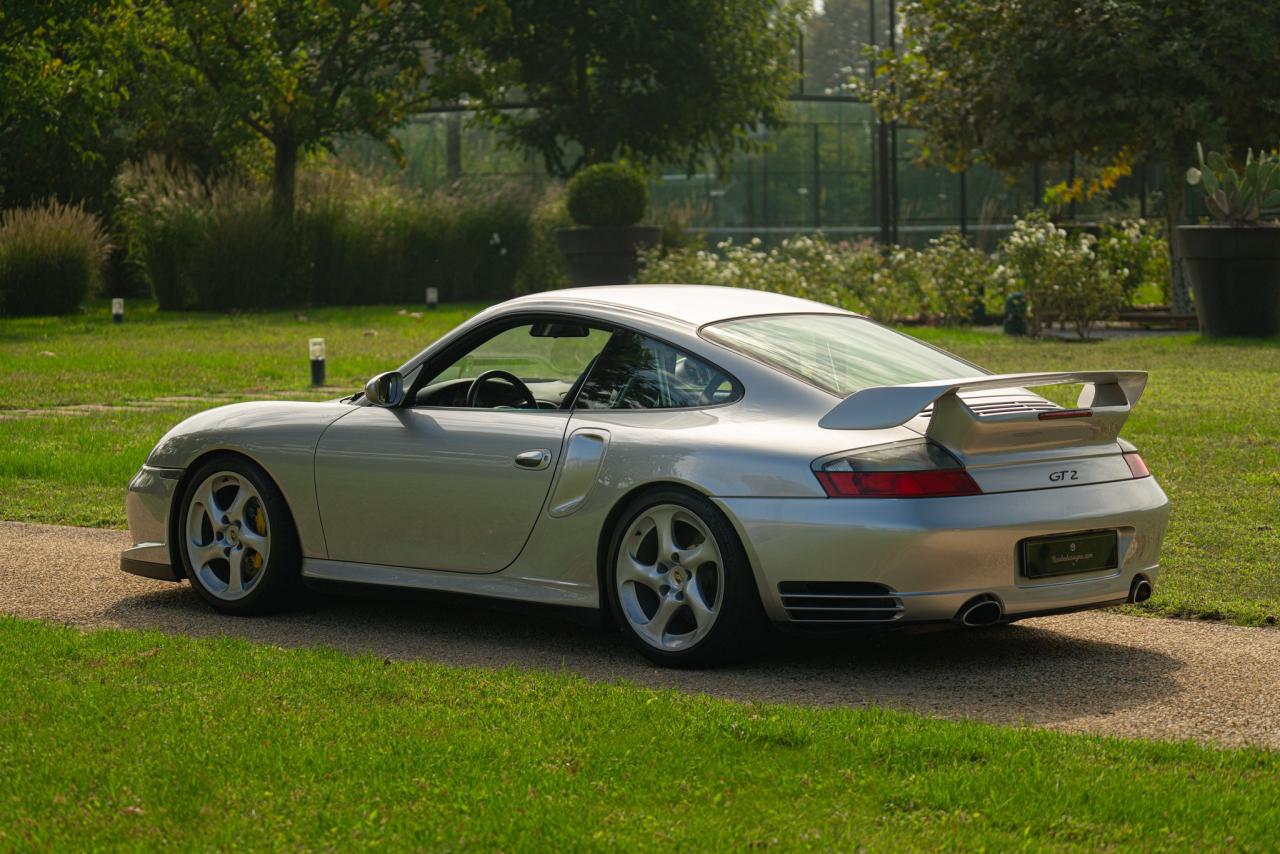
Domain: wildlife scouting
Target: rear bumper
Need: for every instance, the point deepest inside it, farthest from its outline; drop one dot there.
(934, 555)
(147, 506)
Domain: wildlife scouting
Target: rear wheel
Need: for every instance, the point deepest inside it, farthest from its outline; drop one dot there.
(679, 583)
(239, 545)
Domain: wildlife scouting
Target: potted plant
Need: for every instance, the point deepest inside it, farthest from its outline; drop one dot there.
(1234, 262)
(606, 202)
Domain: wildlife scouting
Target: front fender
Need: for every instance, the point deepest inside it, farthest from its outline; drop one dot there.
(280, 436)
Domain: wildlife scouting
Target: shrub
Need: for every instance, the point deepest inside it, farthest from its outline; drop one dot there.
(544, 267)
(958, 279)
(1060, 275)
(1075, 278)
(856, 276)
(1136, 251)
(368, 243)
(51, 256)
(489, 237)
(608, 194)
(246, 258)
(351, 241)
(676, 219)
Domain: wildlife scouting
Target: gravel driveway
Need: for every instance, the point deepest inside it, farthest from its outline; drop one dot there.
(1093, 672)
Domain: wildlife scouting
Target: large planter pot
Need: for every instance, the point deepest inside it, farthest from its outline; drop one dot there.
(1235, 275)
(604, 256)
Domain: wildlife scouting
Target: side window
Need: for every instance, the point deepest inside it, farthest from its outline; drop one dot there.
(635, 372)
(547, 357)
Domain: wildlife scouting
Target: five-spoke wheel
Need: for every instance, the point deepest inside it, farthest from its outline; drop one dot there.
(228, 538)
(669, 577)
(239, 546)
(679, 583)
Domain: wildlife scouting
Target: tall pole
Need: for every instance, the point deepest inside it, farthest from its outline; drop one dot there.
(883, 210)
(893, 133)
(817, 181)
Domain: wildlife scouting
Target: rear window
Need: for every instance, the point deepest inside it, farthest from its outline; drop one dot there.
(839, 353)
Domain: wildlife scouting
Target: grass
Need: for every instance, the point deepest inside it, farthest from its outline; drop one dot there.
(1207, 424)
(72, 468)
(128, 739)
(86, 359)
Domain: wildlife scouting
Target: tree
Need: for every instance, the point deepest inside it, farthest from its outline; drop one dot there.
(63, 80)
(650, 80)
(297, 73)
(1013, 83)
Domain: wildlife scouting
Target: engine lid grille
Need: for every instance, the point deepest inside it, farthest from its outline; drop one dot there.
(1002, 407)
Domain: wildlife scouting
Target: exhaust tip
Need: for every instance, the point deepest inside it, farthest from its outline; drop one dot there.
(1140, 591)
(981, 610)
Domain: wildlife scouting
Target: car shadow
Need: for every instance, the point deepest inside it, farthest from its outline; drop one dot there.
(1026, 673)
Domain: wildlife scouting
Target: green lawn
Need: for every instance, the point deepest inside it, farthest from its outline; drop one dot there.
(126, 739)
(1209, 424)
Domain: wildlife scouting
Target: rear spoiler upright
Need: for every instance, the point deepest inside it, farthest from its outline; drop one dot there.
(1104, 405)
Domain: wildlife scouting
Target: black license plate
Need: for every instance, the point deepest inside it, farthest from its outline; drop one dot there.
(1070, 553)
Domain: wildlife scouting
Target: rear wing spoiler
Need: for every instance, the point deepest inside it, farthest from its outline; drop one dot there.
(1104, 405)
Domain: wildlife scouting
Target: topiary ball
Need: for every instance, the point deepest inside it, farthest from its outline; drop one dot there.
(608, 194)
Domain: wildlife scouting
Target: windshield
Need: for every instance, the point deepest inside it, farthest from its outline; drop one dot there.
(839, 353)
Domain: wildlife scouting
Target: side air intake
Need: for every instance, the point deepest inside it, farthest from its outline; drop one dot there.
(830, 602)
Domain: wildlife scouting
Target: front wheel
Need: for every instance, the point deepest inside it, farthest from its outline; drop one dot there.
(679, 583)
(239, 545)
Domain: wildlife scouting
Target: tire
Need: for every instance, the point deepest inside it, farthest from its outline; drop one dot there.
(253, 529)
(701, 608)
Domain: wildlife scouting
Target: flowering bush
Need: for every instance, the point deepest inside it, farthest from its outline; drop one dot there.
(959, 279)
(1136, 251)
(1078, 279)
(1059, 274)
(856, 276)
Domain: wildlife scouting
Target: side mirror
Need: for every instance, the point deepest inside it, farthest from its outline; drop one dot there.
(385, 389)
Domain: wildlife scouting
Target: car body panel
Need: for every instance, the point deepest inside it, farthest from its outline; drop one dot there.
(430, 497)
(936, 553)
(280, 436)
(434, 488)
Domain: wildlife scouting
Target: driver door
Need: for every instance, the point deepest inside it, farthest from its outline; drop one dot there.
(437, 484)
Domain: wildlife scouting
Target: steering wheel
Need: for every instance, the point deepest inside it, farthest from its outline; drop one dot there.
(473, 393)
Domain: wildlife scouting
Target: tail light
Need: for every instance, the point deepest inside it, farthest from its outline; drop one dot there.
(916, 469)
(1137, 465)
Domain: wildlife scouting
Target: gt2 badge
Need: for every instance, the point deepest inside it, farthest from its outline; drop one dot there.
(1065, 474)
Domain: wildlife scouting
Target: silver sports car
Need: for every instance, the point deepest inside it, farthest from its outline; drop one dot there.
(689, 464)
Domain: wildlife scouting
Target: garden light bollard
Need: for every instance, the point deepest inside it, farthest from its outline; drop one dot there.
(117, 310)
(1015, 314)
(433, 298)
(317, 361)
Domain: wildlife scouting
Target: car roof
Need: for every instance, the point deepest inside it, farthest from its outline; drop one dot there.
(692, 304)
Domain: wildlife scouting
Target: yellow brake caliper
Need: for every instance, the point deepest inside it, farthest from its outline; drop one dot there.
(259, 525)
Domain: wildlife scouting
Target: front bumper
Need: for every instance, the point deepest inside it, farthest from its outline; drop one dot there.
(147, 506)
(934, 555)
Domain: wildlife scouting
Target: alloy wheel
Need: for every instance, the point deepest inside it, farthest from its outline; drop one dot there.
(670, 577)
(228, 538)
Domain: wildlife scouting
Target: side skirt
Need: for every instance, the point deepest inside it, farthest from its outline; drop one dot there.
(576, 602)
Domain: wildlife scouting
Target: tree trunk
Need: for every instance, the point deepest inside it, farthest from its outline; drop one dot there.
(1175, 212)
(283, 179)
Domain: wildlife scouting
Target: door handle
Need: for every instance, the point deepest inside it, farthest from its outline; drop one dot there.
(533, 460)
